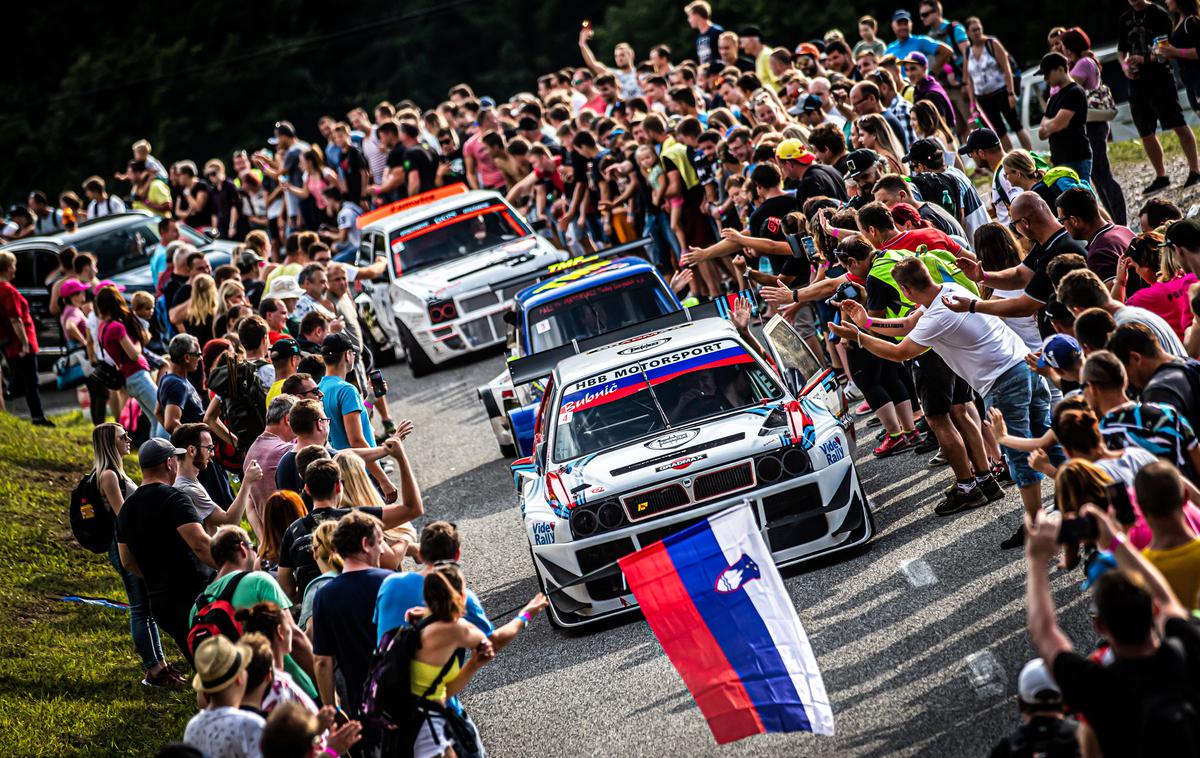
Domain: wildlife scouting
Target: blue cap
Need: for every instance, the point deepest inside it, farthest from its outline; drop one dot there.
(1061, 350)
(901, 15)
(487, 101)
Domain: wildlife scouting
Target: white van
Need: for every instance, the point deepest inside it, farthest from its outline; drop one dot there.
(1033, 99)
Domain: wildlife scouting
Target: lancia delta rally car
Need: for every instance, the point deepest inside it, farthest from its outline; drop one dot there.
(456, 258)
(595, 295)
(642, 438)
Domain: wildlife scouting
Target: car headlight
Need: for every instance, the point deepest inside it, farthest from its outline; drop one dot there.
(442, 310)
(583, 523)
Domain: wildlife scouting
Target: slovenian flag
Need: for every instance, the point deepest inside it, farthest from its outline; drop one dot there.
(717, 604)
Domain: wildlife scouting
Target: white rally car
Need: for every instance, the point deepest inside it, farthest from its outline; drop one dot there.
(456, 258)
(642, 438)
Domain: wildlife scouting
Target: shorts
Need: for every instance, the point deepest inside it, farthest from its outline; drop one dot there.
(938, 387)
(431, 740)
(805, 323)
(675, 202)
(292, 203)
(1155, 101)
(997, 112)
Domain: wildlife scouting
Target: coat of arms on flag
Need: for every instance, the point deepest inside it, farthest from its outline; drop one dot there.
(715, 600)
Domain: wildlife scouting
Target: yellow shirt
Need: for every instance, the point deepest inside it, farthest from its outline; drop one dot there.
(275, 391)
(762, 68)
(1181, 567)
(158, 193)
(284, 269)
(423, 674)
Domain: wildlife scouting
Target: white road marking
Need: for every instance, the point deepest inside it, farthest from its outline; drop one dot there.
(918, 572)
(985, 674)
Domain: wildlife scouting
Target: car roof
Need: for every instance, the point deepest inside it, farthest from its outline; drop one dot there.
(582, 277)
(422, 212)
(667, 340)
(86, 230)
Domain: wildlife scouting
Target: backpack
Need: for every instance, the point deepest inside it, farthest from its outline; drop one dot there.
(215, 615)
(92, 522)
(941, 190)
(940, 263)
(243, 399)
(990, 44)
(387, 699)
(1168, 722)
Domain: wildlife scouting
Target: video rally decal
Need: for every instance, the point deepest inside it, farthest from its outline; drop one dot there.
(627, 380)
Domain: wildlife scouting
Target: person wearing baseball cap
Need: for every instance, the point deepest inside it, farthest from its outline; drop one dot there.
(1183, 237)
(349, 423)
(802, 172)
(222, 727)
(807, 58)
(907, 42)
(1044, 729)
(750, 40)
(285, 359)
(985, 148)
(161, 538)
(925, 87)
(863, 167)
(810, 111)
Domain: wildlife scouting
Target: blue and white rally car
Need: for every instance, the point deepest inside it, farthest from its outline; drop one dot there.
(585, 297)
(642, 438)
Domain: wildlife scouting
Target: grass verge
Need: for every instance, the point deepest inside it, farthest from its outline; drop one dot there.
(70, 680)
(1131, 151)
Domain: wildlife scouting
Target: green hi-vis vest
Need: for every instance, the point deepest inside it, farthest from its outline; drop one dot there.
(941, 267)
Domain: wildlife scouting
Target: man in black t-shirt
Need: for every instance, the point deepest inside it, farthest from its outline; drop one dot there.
(420, 162)
(1153, 94)
(161, 538)
(353, 165)
(1065, 122)
(811, 179)
(1145, 699)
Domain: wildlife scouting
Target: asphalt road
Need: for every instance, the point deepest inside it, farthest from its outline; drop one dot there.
(919, 636)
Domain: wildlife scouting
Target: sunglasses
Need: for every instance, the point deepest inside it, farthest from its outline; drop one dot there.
(314, 392)
(125, 437)
(926, 14)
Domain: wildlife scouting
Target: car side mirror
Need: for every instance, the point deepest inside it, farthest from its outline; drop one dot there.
(510, 317)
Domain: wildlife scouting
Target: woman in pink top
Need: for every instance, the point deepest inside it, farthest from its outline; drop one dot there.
(1167, 294)
(121, 337)
(1077, 47)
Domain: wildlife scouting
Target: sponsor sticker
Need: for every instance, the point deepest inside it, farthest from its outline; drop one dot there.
(543, 533)
(833, 451)
(643, 347)
(541, 327)
(681, 463)
(673, 440)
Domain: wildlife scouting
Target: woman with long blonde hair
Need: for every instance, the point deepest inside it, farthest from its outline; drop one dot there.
(200, 317)
(929, 123)
(358, 491)
(229, 297)
(110, 444)
(330, 564)
(875, 134)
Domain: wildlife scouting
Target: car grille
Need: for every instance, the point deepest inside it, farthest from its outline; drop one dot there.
(723, 481)
(649, 503)
(476, 302)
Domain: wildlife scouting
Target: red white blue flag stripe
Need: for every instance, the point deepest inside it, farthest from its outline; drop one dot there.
(713, 597)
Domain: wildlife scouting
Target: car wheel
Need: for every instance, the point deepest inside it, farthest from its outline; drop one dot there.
(508, 451)
(381, 357)
(418, 362)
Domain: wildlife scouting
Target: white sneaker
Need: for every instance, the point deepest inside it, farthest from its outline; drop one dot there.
(853, 392)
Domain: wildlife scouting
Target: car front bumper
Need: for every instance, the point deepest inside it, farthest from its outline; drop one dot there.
(800, 519)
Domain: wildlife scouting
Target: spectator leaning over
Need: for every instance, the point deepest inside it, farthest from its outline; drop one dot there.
(1079, 212)
(980, 349)
(1153, 96)
(19, 337)
(161, 539)
(322, 480)
(222, 728)
(1157, 375)
(343, 624)
(1081, 290)
(1151, 673)
(1169, 282)
(276, 440)
(122, 337)
(110, 444)
(1125, 423)
(197, 440)
(349, 422)
(894, 189)
(1174, 547)
(237, 564)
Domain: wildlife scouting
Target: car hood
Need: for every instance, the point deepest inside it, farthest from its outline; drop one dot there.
(507, 261)
(653, 460)
(134, 280)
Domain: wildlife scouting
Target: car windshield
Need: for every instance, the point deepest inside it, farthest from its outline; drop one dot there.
(453, 234)
(601, 309)
(673, 389)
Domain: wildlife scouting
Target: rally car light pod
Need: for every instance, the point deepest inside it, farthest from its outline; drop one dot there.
(583, 523)
(769, 469)
(611, 515)
(442, 310)
(796, 462)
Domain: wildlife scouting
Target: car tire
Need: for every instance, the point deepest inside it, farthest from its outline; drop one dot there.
(508, 451)
(418, 362)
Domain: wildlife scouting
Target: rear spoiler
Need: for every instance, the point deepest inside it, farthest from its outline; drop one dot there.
(391, 209)
(539, 365)
(616, 251)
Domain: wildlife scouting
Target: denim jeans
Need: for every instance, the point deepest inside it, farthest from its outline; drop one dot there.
(141, 388)
(1013, 393)
(141, 623)
(658, 228)
(1083, 168)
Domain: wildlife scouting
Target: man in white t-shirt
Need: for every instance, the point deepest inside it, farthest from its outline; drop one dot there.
(981, 349)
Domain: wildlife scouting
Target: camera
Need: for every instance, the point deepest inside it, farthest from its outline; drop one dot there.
(1079, 529)
(845, 291)
(804, 247)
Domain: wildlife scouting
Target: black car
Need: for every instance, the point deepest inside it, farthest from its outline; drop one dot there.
(122, 244)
